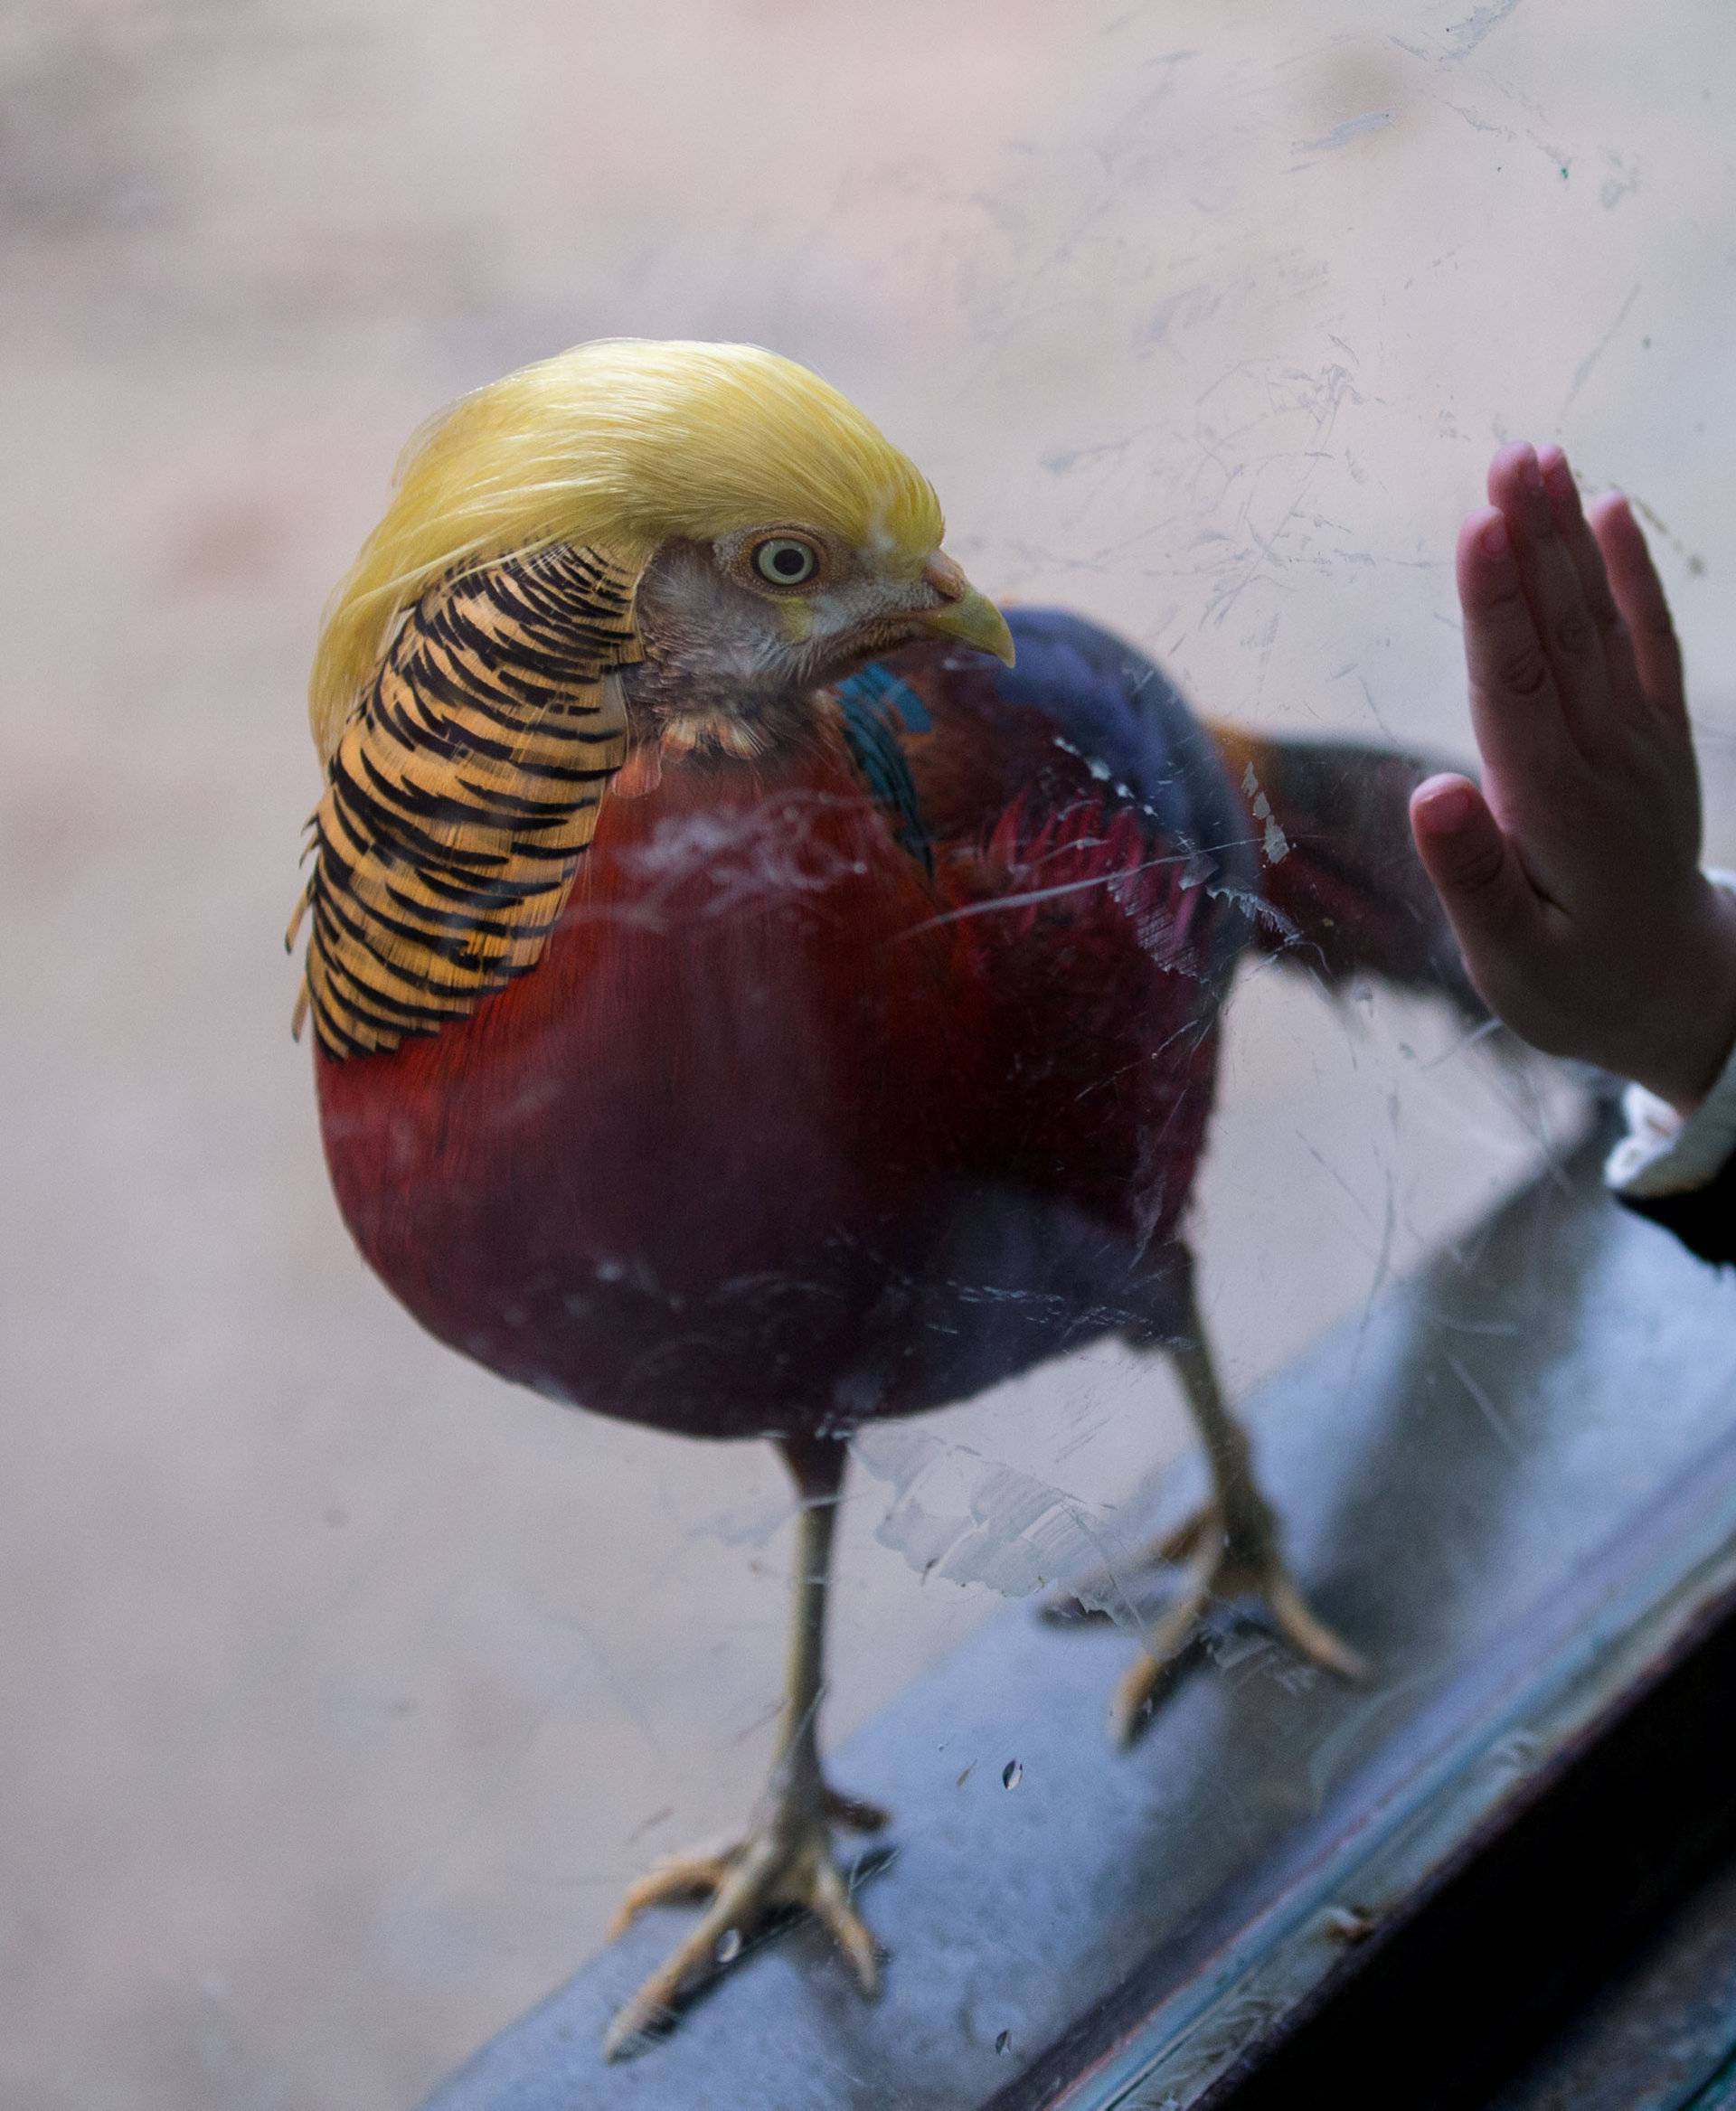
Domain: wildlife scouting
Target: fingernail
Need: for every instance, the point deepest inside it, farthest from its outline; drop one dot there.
(1563, 493)
(1448, 810)
(1531, 474)
(1610, 505)
(1495, 539)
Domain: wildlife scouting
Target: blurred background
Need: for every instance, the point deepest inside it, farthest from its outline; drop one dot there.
(344, 1688)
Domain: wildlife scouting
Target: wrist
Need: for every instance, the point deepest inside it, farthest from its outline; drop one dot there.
(1698, 1018)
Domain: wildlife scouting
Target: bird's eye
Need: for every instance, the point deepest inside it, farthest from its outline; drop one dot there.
(785, 561)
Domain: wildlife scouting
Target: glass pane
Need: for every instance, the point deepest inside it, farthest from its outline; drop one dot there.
(350, 1686)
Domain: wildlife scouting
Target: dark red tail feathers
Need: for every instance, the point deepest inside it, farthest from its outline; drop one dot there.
(1339, 876)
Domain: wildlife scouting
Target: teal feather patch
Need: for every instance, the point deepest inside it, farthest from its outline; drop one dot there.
(869, 700)
(879, 689)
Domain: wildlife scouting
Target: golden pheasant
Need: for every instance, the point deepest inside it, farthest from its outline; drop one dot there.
(747, 1004)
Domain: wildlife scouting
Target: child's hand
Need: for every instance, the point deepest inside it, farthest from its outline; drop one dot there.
(1573, 879)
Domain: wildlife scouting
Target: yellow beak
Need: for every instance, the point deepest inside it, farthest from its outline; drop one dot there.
(965, 616)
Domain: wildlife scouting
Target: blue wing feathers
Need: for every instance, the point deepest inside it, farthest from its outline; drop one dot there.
(1125, 715)
(1107, 705)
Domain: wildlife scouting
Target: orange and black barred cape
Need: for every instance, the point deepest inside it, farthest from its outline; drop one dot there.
(463, 792)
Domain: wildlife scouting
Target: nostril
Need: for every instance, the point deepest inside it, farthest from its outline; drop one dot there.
(945, 577)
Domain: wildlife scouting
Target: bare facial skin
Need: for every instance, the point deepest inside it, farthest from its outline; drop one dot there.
(1573, 877)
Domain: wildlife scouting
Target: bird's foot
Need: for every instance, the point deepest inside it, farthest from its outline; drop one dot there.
(1226, 1563)
(785, 1862)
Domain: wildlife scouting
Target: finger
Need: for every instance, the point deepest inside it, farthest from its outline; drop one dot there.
(1488, 896)
(1581, 546)
(1552, 586)
(1640, 595)
(1515, 707)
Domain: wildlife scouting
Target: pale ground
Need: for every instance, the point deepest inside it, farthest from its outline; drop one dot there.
(344, 1686)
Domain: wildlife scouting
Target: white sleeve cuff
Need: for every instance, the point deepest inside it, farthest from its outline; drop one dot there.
(1665, 1154)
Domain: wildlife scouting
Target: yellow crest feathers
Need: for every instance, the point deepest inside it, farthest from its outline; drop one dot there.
(617, 446)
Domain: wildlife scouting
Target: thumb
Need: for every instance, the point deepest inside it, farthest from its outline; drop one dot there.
(1476, 871)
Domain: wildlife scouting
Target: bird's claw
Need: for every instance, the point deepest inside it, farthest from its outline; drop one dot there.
(1112, 1595)
(787, 1863)
(1223, 1567)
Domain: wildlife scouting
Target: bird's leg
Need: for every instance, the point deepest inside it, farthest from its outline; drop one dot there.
(1231, 1548)
(786, 1858)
